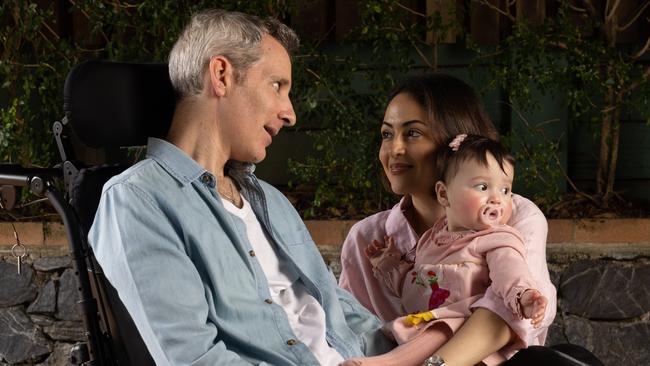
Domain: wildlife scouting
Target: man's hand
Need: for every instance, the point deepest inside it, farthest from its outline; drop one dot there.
(533, 306)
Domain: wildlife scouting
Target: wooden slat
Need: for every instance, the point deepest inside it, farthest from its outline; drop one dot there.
(484, 23)
(313, 18)
(531, 11)
(347, 15)
(447, 10)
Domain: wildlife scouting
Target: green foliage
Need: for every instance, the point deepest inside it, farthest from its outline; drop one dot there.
(573, 56)
(539, 168)
(345, 93)
(339, 93)
(36, 58)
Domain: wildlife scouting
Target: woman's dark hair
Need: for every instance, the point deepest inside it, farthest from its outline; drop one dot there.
(473, 147)
(450, 104)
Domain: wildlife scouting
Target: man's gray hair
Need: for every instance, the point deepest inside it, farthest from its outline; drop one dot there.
(236, 36)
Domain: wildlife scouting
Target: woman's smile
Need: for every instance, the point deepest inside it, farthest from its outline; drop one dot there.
(400, 168)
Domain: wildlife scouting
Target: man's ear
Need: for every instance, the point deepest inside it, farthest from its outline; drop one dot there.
(221, 75)
(441, 193)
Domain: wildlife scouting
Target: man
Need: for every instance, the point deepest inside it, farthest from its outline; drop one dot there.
(215, 266)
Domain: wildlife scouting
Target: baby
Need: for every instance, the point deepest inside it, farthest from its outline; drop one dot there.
(466, 252)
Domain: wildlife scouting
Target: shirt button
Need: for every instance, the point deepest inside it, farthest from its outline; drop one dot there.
(205, 178)
(292, 342)
(251, 253)
(268, 301)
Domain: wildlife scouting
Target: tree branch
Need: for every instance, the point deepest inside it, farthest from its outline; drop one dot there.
(644, 77)
(101, 31)
(612, 12)
(643, 50)
(555, 156)
(410, 10)
(634, 18)
(575, 8)
(51, 30)
(38, 65)
(496, 8)
(590, 7)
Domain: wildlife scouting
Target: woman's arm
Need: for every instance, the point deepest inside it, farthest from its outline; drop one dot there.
(482, 334)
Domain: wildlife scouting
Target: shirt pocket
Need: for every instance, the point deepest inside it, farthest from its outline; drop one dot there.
(294, 236)
(289, 228)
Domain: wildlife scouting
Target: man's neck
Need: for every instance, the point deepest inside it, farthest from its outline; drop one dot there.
(194, 131)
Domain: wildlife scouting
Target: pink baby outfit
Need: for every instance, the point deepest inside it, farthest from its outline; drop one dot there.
(452, 270)
(357, 274)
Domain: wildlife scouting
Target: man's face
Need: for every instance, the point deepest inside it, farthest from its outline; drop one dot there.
(259, 104)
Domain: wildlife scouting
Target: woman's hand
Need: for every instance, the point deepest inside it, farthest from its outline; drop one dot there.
(533, 306)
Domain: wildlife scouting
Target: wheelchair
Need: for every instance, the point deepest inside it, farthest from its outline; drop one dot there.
(107, 105)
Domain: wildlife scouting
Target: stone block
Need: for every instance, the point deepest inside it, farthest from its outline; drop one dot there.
(615, 343)
(555, 272)
(49, 264)
(67, 307)
(329, 232)
(55, 234)
(29, 233)
(599, 289)
(612, 231)
(66, 330)
(20, 339)
(556, 332)
(560, 231)
(42, 320)
(60, 355)
(16, 289)
(45, 303)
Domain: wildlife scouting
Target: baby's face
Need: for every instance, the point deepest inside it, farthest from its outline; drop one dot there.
(480, 197)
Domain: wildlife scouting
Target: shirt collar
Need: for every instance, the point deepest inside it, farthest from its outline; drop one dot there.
(181, 166)
(174, 160)
(398, 227)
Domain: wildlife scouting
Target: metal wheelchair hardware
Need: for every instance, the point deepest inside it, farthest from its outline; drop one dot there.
(79, 354)
(18, 250)
(8, 197)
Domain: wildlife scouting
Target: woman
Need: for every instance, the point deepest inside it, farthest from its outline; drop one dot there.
(422, 113)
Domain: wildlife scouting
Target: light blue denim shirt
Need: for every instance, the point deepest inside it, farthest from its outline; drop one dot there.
(186, 272)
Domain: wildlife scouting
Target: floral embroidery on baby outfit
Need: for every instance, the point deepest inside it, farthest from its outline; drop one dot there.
(438, 294)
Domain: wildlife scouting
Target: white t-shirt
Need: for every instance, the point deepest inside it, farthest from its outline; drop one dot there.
(306, 315)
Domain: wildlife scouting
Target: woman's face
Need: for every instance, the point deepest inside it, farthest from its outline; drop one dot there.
(407, 147)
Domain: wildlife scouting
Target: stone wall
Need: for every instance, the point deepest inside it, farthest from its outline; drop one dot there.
(39, 318)
(601, 272)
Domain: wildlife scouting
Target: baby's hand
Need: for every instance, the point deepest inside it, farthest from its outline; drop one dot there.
(533, 306)
(379, 252)
(376, 248)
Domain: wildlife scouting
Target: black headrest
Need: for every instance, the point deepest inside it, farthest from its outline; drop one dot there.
(111, 104)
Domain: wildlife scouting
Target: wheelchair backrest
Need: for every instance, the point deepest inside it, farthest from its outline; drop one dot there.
(110, 105)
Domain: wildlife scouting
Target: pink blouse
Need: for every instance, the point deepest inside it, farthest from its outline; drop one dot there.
(357, 275)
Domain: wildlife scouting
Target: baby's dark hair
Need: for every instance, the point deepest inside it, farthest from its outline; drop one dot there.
(473, 147)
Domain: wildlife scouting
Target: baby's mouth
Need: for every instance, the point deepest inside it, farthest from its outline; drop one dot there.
(491, 214)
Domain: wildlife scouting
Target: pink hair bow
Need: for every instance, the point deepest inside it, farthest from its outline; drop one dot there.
(455, 143)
